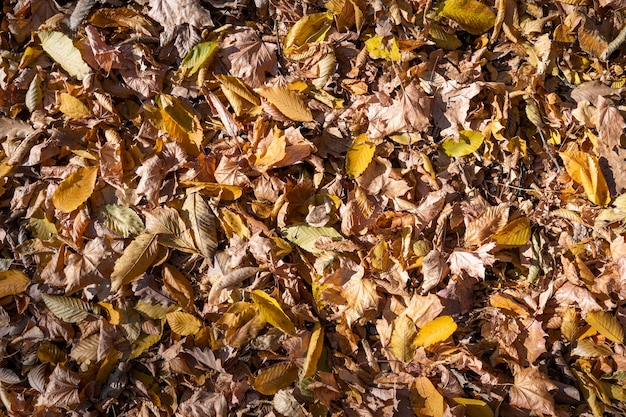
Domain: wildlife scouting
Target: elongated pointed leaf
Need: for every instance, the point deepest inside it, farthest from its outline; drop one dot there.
(87, 349)
(287, 102)
(305, 236)
(200, 56)
(203, 224)
(62, 50)
(359, 156)
(469, 141)
(73, 108)
(314, 352)
(136, 259)
(472, 15)
(182, 323)
(178, 119)
(402, 343)
(272, 312)
(34, 95)
(607, 325)
(171, 229)
(75, 189)
(272, 379)
(585, 169)
(311, 28)
(121, 220)
(514, 234)
(69, 309)
(436, 331)
(13, 282)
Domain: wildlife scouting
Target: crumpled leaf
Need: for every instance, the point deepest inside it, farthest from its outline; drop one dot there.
(532, 391)
(585, 169)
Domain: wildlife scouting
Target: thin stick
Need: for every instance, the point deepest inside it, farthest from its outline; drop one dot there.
(616, 43)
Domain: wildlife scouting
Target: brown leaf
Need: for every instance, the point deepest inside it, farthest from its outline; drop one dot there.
(532, 391)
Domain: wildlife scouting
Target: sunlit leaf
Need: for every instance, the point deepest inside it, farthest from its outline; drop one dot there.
(179, 286)
(272, 312)
(426, 400)
(73, 191)
(436, 331)
(402, 343)
(87, 349)
(472, 15)
(178, 119)
(121, 220)
(359, 156)
(585, 169)
(310, 28)
(314, 352)
(276, 377)
(182, 323)
(516, 233)
(73, 108)
(223, 191)
(607, 325)
(305, 236)
(62, 50)
(143, 343)
(34, 95)
(379, 47)
(199, 57)
(469, 141)
(136, 259)
(287, 102)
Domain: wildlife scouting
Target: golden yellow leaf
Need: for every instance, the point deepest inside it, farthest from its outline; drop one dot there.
(13, 282)
(469, 141)
(474, 408)
(274, 153)
(426, 400)
(178, 120)
(233, 224)
(359, 155)
(314, 352)
(472, 15)
(75, 189)
(607, 325)
(115, 317)
(272, 312)
(73, 107)
(136, 259)
(238, 95)
(436, 331)
(310, 28)
(516, 233)
(199, 57)
(224, 192)
(287, 102)
(143, 342)
(179, 286)
(276, 377)
(402, 342)
(585, 170)
(182, 323)
(379, 47)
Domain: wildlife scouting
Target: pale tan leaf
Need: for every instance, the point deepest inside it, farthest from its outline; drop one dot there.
(402, 342)
(286, 404)
(531, 391)
(170, 228)
(87, 349)
(121, 220)
(62, 50)
(62, 390)
(490, 222)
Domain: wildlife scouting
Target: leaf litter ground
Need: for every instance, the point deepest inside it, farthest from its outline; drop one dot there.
(351, 208)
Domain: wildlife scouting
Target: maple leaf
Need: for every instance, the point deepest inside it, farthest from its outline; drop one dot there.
(248, 57)
(361, 296)
(62, 390)
(532, 391)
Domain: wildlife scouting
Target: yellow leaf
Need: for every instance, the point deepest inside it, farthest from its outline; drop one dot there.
(136, 259)
(607, 325)
(238, 95)
(516, 233)
(62, 50)
(75, 189)
(585, 170)
(143, 342)
(224, 192)
(426, 400)
(435, 331)
(276, 377)
(473, 16)
(469, 141)
(73, 107)
(378, 47)
(179, 286)
(178, 119)
(314, 352)
(273, 154)
(272, 312)
(115, 317)
(474, 408)
(183, 323)
(444, 39)
(402, 342)
(287, 102)
(359, 156)
(233, 224)
(199, 57)
(13, 282)
(310, 28)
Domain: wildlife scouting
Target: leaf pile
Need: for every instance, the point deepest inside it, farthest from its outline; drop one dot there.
(310, 209)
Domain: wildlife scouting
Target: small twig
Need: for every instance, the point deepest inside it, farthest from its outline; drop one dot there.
(615, 43)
